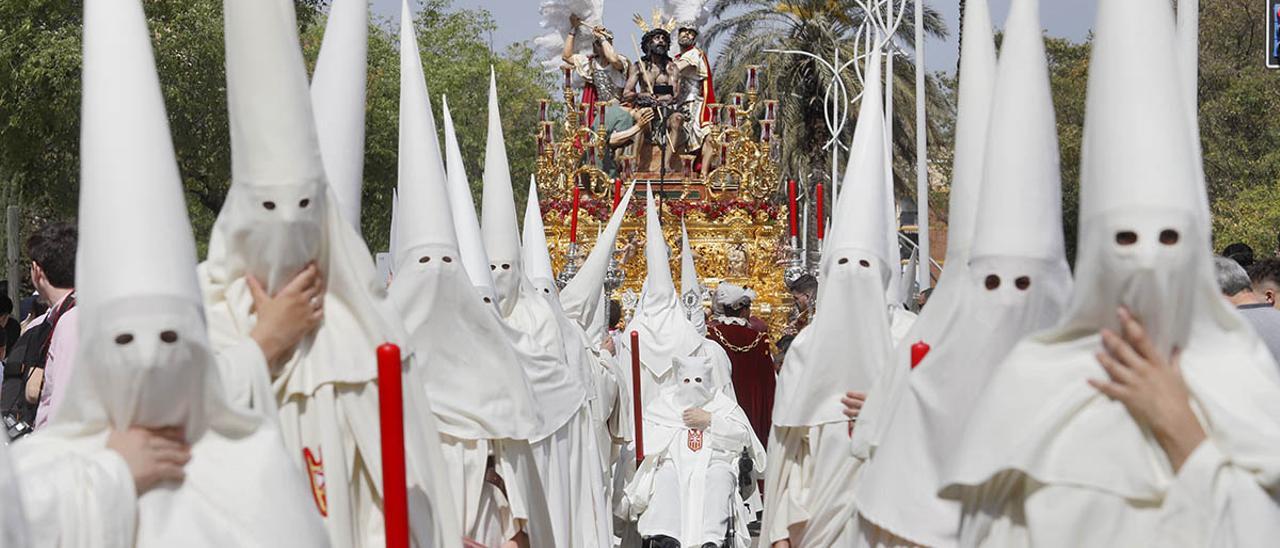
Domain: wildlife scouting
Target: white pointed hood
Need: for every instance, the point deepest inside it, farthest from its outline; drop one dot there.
(272, 222)
(1188, 36)
(848, 343)
(1139, 173)
(279, 216)
(659, 286)
(477, 387)
(465, 223)
(1018, 285)
(1142, 244)
(395, 221)
(498, 212)
(537, 256)
(144, 357)
(338, 97)
(977, 85)
(421, 176)
(690, 286)
(665, 330)
(977, 82)
(582, 296)
(863, 223)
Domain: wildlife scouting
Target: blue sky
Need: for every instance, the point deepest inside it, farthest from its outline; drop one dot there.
(518, 20)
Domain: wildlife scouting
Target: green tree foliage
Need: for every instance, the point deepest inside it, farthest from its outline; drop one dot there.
(40, 62)
(1239, 99)
(1068, 76)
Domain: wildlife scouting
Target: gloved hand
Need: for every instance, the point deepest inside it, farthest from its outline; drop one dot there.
(696, 418)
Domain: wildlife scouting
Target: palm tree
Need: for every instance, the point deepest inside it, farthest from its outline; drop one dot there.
(819, 27)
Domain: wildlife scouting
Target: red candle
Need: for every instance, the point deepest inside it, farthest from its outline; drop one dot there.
(791, 207)
(542, 110)
(391, 413)
(822, 232)
(918, 352)
(617, 193)
(568, 77)
(573, 217)
(635, 395)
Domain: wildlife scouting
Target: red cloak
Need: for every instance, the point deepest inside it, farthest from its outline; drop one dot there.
(753, 377)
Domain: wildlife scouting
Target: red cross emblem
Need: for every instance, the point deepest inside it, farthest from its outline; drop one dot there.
(695, 440)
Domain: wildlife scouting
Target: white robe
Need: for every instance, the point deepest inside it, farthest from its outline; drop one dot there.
(692, 494)
(565, 452)
(13, 521)
(808, 486)
(1042, 497)
(327, 395)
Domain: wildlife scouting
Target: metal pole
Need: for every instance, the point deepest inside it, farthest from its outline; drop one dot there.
(923, 275)
(11, 238)
(836, 98)
(895, 253)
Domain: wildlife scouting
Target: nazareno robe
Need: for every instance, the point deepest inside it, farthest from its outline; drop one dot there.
(753, 376)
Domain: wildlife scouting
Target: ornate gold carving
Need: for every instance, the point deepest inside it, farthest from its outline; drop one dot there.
(736, 233)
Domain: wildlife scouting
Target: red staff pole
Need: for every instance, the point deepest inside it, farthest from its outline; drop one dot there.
(821, 213)
(635, 395)
(395, 509)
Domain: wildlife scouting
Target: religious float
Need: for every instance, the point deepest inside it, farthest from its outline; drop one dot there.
(722, 184)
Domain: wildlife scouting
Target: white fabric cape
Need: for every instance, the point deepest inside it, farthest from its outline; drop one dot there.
(13, 524)
(1044, 446)
(897, 490)
(664, 430)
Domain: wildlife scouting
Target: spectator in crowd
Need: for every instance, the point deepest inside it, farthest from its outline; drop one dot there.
(923, 299)
(53, 273)
(1239, 252)
(8, 326)
(804, 293)
(1265, 276)
(783, 344)
(1236, 286)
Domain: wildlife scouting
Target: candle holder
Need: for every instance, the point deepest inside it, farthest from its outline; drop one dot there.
(771, 109)
(795, 262)
(614, 277)
(570, 266)
(686, 167)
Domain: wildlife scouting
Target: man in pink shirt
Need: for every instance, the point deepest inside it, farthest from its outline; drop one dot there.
(53, 273)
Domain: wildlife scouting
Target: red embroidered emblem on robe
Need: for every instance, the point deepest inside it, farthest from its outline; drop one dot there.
(695, 440)
(315, 472)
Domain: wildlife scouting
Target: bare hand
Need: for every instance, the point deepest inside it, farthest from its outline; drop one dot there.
(608, 345)
(642, 116)
(782, 544)
(574, 21)
(1150, 387)
(288, 317)
(853, 404)
(153, 455)
(697, 419)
